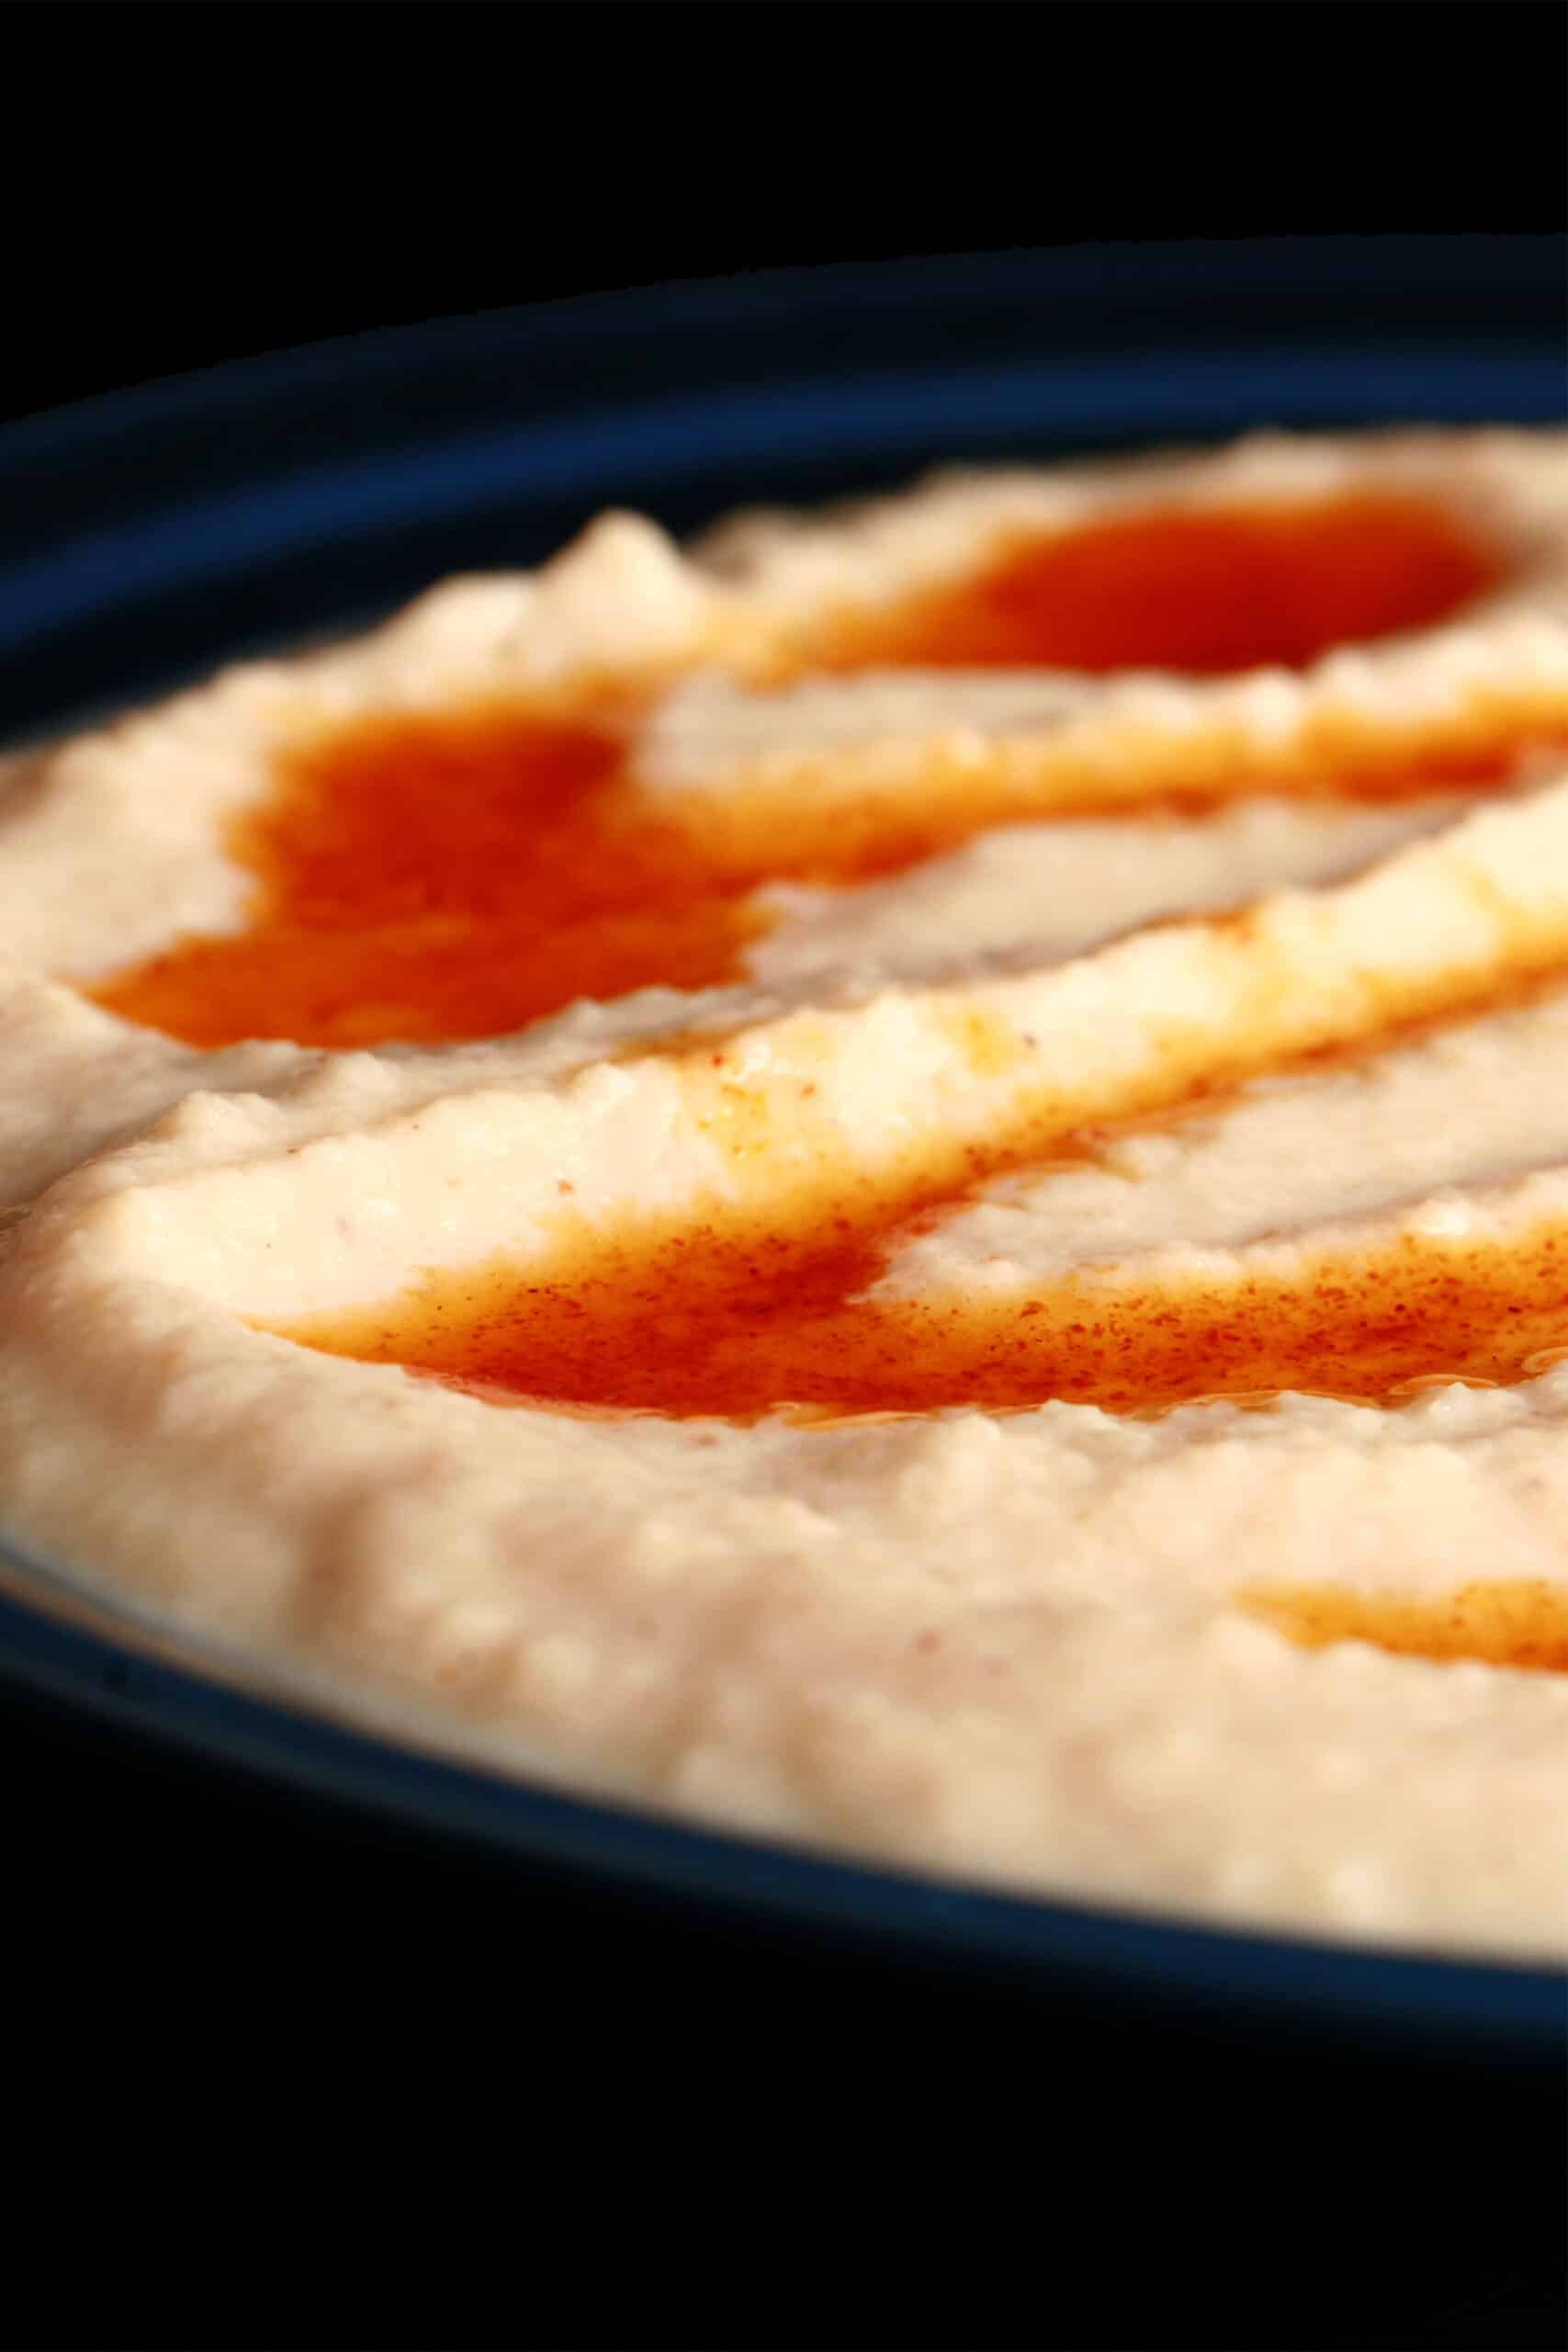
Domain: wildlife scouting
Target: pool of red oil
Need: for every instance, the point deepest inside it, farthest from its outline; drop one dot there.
(735, 1321)
(1202, 591)
(433, 876)
(707, 1321)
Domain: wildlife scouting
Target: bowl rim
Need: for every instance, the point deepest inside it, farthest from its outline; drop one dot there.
(63, 1641)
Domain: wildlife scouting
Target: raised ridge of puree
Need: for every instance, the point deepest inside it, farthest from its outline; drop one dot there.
(1518, 1621)
(1201, 590)
(457, 875)
(735, 1319)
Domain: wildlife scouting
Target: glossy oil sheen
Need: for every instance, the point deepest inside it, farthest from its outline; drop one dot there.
(1199, 591)
(707, 1317)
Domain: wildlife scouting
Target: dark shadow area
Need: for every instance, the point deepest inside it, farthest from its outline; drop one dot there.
(419, 169)
(956, 2156)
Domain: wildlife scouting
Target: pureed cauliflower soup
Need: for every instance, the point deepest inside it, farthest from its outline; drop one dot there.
(901, 1180)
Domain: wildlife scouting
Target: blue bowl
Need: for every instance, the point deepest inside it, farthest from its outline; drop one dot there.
(157, 532)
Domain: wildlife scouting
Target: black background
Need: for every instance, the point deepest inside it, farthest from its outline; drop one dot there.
(328, 169)
(185, 184)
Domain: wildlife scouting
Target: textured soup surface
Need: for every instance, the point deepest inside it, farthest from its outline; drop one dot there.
(902, 1180)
